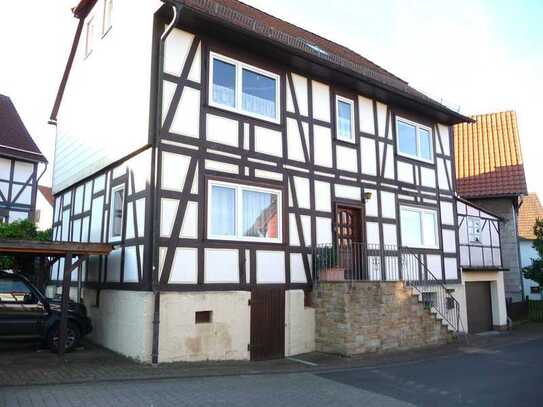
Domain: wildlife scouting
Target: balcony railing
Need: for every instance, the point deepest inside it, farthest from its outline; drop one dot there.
(362, 262)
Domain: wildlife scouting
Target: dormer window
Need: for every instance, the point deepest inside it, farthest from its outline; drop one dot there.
(414, 140)
(108, 11)
(244, 89)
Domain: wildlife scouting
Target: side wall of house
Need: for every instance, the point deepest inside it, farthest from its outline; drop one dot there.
(104, 114)
(18, 189)
(507, 210)
(83, 214)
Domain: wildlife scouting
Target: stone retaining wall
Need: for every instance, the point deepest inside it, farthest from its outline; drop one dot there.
(372, 316)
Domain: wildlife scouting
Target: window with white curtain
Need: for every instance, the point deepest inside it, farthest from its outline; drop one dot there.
(419, 227)
(241, 212)
(345, 119)
(414, 140)
(117, 212)
(242, 88)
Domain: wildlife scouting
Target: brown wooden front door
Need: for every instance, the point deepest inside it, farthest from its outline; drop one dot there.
(348, 226)
(350, 251)
(267, 323)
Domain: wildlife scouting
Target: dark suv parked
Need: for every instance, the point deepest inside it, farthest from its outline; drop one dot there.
(25, 313)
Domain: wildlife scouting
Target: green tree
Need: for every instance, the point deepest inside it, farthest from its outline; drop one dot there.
(22, 230)
(535, 271)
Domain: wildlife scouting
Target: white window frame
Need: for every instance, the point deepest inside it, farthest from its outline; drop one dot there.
(421, 211)
(108, 11)
(113, 238)
(89, 37)
(239, 188)
(239, 66)
(417, 127)
(350, 102)
(471, 235)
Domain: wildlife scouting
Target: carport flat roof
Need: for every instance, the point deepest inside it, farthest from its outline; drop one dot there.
(57, 249)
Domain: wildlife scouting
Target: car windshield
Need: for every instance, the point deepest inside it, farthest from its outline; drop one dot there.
(13, 290)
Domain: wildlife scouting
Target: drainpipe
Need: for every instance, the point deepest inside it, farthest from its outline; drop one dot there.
(156, 196)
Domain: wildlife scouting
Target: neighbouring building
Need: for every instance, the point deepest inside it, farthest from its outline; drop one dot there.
(529, 212)
(45, 201)
(21, 166)
(490, 174)
(249, 174)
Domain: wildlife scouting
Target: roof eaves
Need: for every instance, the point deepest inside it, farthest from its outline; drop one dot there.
(250, 25)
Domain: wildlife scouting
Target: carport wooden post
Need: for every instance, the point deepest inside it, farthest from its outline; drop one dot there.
(66, 279)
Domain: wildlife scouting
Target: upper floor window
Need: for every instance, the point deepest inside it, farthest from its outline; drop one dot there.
(474, 229)
(345, 119)
(89, 37)
(244, 89)
(106, 20)
(418, 227)
(240, 212)
(414, 140)
(117, 212)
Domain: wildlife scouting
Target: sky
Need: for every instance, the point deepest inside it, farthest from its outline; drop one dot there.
(482, 55)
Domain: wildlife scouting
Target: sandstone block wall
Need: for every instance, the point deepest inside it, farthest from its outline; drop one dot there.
(371, 317)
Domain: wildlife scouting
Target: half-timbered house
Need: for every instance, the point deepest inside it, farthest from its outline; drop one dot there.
(225, 152)
(21, 166)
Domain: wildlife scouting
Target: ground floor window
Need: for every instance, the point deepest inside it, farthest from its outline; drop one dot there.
(242, 212)
(419, 227)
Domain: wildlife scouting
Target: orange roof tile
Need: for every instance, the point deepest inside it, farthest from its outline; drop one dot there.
(529, 211)
(488, 156)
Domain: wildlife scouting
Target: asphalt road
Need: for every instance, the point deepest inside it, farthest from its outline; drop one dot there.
(510, 375)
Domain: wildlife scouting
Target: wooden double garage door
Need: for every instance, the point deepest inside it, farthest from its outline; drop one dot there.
(479, 306)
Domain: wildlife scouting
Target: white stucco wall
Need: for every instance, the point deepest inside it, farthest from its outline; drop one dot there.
(105, 110)
(46, 212)
(123, 321)
(299, 324)
(224, 338)
(527, 253)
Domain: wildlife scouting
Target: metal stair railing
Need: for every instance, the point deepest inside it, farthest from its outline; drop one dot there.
(358, 261)
(435, 296)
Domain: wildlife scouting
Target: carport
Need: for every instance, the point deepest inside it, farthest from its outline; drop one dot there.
(74, 253)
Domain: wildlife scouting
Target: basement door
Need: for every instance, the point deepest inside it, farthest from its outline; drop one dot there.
(479, 306)
(267, 323)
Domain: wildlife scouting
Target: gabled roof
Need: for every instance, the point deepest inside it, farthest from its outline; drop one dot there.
(266, 27)
(15, 141)
(245, 17)
(488, 157)
(529, 211)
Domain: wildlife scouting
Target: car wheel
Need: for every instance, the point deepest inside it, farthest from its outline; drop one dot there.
(73, 335)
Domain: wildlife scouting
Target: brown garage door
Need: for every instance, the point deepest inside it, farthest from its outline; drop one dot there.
(479, 306)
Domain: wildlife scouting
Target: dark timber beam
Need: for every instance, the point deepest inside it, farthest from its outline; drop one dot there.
(66, 279)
